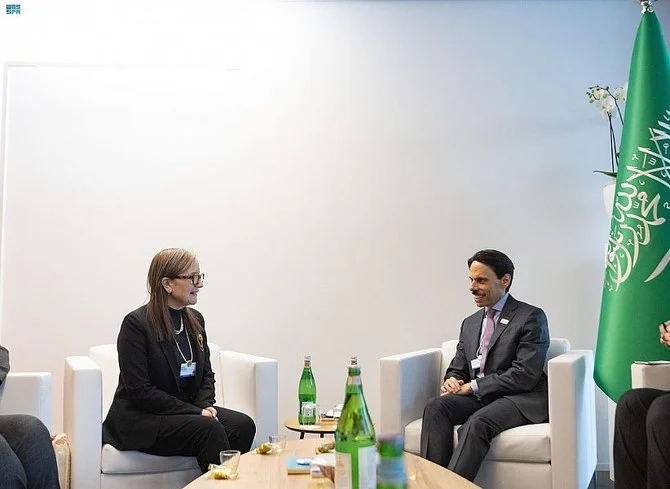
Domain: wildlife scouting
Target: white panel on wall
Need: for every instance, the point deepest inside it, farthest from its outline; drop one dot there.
(333, 182)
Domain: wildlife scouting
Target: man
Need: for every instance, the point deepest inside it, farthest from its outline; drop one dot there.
(642, 435)
(496, 379)
(27, 459)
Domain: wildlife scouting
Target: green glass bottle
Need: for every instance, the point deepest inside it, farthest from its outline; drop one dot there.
(307, 393)
(391, 473)
(355, 451)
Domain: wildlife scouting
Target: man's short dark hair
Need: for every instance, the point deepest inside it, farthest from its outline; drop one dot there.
(497, 261)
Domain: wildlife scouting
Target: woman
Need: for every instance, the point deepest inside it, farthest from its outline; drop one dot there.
(27, 458)
(164, 403)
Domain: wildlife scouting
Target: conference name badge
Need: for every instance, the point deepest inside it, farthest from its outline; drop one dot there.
(187, 369)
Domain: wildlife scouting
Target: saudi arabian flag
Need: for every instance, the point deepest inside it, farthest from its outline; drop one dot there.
(636, 293)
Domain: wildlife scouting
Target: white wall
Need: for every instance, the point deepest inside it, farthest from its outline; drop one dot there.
(333, 164)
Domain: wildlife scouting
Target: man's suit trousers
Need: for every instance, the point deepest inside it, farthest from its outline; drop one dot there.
(27, 458)
(642, 440)
(479, 425)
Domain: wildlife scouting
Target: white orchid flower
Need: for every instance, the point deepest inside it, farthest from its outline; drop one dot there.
(621, 92)
(599, 93)
(607, 104)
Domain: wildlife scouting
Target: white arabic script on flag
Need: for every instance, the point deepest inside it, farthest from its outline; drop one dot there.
(635, 212)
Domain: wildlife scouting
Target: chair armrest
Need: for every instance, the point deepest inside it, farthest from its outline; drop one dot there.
(82, 420)
(27, 393)
(572, 419)
(250, 385)
(656, 376)
(407, 381)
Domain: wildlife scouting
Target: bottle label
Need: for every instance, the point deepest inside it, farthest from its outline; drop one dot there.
(308, 412)
(307, 409)
(367, 469)
(342, 470)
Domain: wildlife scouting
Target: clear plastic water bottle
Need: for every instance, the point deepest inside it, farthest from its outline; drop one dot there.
(391, 473)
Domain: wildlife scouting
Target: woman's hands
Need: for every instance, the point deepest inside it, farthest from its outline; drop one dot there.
(209, 412)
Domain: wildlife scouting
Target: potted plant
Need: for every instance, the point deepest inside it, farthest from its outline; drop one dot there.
(609, 104)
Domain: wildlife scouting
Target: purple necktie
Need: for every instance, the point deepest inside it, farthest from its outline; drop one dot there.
(488, 332)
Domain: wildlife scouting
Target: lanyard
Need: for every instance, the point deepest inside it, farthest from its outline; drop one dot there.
(188, 362)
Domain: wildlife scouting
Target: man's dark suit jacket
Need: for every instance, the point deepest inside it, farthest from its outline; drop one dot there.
(149, 384)
(515, 360)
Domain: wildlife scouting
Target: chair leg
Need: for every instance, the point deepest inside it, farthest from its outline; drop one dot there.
(592, 484)
(601, 480)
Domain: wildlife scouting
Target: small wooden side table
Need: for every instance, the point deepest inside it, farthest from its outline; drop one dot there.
(325, 426)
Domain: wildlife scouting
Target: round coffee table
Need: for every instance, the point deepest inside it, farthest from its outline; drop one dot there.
(325, 426)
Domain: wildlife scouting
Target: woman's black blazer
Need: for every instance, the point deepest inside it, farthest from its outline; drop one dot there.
(149, 383)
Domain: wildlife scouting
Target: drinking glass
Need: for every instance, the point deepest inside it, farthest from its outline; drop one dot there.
(311, 413)
(278, 443)
(230, 460)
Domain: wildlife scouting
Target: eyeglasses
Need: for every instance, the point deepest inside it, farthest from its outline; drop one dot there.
(195, 278)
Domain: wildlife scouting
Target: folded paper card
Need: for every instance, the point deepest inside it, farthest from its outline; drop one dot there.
(298, 465)
(310, 465)
(334, 412)
(323, 466)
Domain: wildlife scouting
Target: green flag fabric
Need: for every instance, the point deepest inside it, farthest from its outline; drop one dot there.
(637, 277)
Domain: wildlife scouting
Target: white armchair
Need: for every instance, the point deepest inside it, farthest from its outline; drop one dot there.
(655, 375)
(560, 454)
(245, 383)
(27, 393)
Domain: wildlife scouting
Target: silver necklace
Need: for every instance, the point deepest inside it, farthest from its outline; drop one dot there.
(181, 326)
